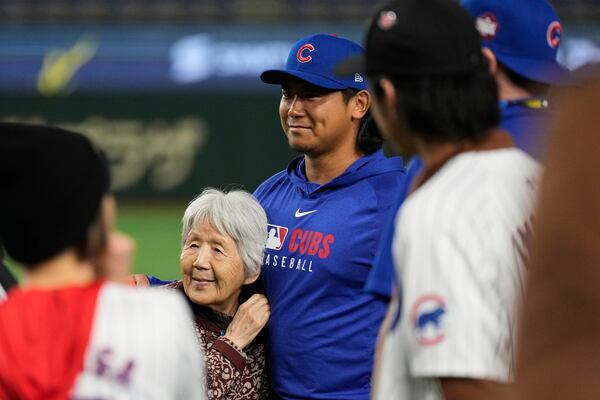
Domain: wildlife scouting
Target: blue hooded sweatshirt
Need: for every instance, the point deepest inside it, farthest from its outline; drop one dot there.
(321, 245)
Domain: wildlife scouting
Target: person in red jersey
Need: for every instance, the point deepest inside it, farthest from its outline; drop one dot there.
(68, 332)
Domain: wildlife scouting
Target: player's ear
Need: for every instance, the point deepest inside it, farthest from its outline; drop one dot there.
(491, 60)
(361, 104)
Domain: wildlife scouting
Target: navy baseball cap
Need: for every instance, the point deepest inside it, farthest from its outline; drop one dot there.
(524, 35)
(313, 59)
(419, 38)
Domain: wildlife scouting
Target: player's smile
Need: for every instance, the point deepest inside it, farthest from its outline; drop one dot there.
(293, 128)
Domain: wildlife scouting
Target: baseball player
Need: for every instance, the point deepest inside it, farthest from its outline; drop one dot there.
(520, 41)
(325, 215)
(459, 242)
(67, 332)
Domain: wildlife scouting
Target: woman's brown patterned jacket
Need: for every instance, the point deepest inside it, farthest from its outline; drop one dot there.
(232, 373)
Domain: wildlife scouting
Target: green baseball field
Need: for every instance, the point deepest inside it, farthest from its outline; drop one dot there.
(156, 228)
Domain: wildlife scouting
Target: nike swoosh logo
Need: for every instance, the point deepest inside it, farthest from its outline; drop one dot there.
(302, 214)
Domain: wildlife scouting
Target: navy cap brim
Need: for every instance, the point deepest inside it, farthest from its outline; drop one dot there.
(549, 72)
(350, 66)
(277, 76)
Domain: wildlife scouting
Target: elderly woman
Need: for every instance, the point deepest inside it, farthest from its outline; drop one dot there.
(222, 248)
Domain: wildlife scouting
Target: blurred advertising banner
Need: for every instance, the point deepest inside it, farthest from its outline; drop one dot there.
(62, 60)
(50, 61)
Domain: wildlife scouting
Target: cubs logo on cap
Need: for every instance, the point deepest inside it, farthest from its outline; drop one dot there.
(301, 56)
(313, 59)
(523, 35)
(554, 34)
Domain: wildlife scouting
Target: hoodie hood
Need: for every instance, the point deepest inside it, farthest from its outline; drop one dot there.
(367, 166)
(44, 336)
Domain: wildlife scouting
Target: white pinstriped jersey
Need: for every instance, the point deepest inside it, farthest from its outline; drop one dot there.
(459, 248)
(142, 346)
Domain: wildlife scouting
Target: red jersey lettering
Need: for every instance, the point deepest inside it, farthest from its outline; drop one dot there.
(325, 250)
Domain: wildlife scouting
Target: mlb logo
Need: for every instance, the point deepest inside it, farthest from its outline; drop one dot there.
(276, 236)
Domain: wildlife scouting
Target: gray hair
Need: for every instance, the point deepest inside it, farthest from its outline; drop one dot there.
(236, 214)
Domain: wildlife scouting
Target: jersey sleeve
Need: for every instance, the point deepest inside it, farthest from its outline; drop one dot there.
(155, 281)
(381, 278)
(454, 315)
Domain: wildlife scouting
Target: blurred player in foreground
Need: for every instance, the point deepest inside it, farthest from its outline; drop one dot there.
(559, 346)
(520, 40)
(67, 332)
(458, 245)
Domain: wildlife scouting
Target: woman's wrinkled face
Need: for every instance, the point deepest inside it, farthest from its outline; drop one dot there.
(212, 269)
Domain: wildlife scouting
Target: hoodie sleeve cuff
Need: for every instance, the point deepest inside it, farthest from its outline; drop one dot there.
(231, 352)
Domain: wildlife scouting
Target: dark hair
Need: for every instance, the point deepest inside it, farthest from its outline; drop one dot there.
(75, 179)
(447, 108)
(368, 139)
